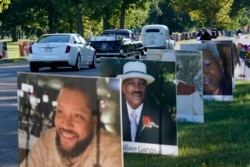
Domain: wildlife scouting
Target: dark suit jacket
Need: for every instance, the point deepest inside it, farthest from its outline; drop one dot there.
(165, 134)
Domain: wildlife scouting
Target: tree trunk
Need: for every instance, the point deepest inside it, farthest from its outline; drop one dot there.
(14, 34)
(79, 22)
(71, 27)
(51, 17)
(50, 23)
(123, 18)
(106, 16)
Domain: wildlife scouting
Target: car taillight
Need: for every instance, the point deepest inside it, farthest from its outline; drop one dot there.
(30, 49)
(67, 49)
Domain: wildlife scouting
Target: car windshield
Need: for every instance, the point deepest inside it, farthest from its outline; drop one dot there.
(54, 38)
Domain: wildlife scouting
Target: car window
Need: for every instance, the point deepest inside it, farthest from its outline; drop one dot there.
(153, 30)
(81, 39)
(77, 40)
(54, 38)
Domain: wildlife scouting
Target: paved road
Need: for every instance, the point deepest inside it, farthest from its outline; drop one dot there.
(8, 106)
(8, 121)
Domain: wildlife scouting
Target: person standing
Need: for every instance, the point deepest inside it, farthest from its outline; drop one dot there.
(206, 35)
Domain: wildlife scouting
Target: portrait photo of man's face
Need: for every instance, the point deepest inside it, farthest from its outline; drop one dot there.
(72, 115)
(148, 103)
(134, 90)
(67, 118)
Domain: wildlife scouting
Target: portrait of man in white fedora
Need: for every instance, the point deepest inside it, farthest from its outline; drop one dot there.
(143, 120)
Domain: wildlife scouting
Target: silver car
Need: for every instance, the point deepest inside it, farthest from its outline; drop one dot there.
(60, 50)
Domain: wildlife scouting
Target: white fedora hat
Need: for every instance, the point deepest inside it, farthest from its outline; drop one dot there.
(135, 69)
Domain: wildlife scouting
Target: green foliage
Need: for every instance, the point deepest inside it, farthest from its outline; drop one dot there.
(154, 12)
(218, 15)
(34, 17)
(161, 12)
(244, 16)
(136, 18)
(92, 25)
(4, 5)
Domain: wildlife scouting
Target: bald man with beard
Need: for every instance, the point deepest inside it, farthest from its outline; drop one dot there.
(77, 140)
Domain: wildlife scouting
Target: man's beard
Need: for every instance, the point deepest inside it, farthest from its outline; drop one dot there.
(79, 147)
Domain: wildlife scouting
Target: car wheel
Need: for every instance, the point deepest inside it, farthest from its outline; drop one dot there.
(34, 68)
(77, 66)
(93, 64)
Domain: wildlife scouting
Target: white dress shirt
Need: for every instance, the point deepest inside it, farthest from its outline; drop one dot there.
(137, 110)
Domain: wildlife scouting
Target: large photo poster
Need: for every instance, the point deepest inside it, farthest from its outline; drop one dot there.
(229, 50)
(148, 104)
(69, 121)
(3, 50)
(242, 59)
(189, 80)
(217, 70)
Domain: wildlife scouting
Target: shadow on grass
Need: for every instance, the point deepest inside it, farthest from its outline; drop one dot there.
(2, 61)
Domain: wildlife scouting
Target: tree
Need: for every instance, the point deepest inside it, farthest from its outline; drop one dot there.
(11, 18)
(126, 4)
(154, 12)
(113, 13)
(136, 18)
(40, 16)
(218, 15)
(4, 4)
(103, 11)
(240, 13)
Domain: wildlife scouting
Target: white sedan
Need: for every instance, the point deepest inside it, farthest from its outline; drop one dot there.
(59, 50)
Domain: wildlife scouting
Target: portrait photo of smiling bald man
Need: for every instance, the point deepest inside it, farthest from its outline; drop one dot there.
(78, 137)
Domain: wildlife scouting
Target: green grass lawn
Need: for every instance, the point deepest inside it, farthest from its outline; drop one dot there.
(222, 141)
